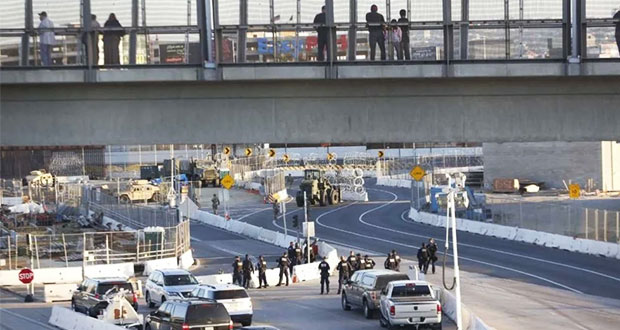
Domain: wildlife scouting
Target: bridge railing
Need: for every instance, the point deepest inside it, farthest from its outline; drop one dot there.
(212, 32)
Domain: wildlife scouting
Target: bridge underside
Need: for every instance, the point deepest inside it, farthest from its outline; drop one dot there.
(313, 111)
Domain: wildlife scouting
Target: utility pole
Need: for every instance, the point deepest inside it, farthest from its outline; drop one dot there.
(454, 186)
(307, 231)
(284, 217)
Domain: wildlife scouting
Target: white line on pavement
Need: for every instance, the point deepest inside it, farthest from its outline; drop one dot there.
(27, 319)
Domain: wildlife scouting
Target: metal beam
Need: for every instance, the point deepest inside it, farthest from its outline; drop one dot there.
(448, 31)
(566, 28)
(329, 20)
(133, 38)
(464, 29)
(352, 46)
(29, 30)
(243, 31)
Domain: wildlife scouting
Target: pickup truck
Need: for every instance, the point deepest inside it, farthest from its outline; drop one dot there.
(409, 303)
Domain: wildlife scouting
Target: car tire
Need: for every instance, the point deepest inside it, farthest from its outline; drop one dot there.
(148, 300)
(345, 303)
(368, 312)
(73, 306)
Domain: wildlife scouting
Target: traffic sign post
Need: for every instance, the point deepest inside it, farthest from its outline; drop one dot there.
(574, 191)
(286, 158)
(26, 276)
(248, 152)
(227, 181)
(380, 154)
(272, 153)
(226, 151)
(417, 173)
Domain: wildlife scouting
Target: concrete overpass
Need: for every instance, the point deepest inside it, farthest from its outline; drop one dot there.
(465, 102)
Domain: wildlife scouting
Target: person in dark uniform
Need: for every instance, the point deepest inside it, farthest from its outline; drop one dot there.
(237, 271)
(398, 260)
(291, 256)
(617, 22)
(403, 24)
(432, 254)
(368, 262)
(283, 263)
(323, 35)
(344, 272)
(261, 265)
(422, 258)
(324, 268)
(352, 261)
(248, 269)
(390, 262)
(375, 32)
(215, 203)
(298, 254)
(359, 261)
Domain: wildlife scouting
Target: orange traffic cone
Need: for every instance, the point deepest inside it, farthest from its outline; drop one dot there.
(295, 280)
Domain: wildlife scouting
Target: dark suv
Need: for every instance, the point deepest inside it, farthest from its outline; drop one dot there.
(189, 314)
(90, 296)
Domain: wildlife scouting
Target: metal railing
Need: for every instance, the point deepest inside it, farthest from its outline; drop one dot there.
(266, 31)
(65, 250)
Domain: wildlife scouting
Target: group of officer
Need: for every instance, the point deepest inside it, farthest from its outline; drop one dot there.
(242, 271)
(427, 254)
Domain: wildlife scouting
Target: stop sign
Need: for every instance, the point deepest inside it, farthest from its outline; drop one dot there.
(26, 276)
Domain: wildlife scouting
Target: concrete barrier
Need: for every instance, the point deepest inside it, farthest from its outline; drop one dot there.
(58, 292)
(307, 272)
(67, 319)
(112, 270)
(186, 260)
(470, 320)
(353, 196)
(164, 263)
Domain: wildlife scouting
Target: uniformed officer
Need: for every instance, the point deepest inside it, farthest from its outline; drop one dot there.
(360, 264)
(215, 203)
(390, 262)
(432, 254)
(368, 262)
(291, 256)
(298, 253)
(261, 265)
(324, 268)
(344, 272)
(237, 271)
(422, 258)
(283, 263)
(352, 262)
(248, 269)
(398, 260)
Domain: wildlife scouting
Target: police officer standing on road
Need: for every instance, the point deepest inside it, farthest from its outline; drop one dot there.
(276, 210)
(390, 262)
(422, 258)
(398, 260)
(324, 268)
(283, 263)
(215, 203)
(432, 254)
(344, 272)
(248, 269)
(352, 262)
(291, 254)
(261, 265)
(369, 263)
(360, 263)
(298, 255)
(237, 270)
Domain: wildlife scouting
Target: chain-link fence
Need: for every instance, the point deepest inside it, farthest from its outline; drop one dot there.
(400, 167)
(65, 250)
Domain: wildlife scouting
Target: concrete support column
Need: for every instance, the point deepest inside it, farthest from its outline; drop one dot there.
(352, 46)
(243, 31)
(448, 31)
(464, 29)
(133, 35)
(29, 29)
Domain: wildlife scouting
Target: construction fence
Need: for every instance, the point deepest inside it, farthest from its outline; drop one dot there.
(65, 250)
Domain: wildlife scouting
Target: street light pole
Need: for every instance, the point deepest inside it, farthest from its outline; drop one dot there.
(284, 217)
(451, 221)
(307, 231)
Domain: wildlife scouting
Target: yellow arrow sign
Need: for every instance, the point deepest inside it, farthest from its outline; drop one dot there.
(380, 154)
(227, 182)
(272, 153)
(248, 152)
(286, 158)
(417, 173)
(330, 156)
(574, 191)
(227, 151)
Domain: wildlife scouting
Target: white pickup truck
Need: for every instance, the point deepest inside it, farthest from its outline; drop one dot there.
(409, 303)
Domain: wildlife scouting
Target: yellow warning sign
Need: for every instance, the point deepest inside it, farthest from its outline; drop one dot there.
(227, 182)
(226, 151)
(248, 152)
(272, 153)
(286, 158)
(574, 191)
(330, 156)
(380, 154)
(417, 173)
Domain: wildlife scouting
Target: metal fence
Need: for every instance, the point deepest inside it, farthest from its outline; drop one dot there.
(400, 167)
(160, 32)
(65, 250)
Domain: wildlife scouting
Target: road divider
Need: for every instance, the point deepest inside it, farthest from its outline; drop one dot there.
(67, 319)
(470, 320)
(58, 292)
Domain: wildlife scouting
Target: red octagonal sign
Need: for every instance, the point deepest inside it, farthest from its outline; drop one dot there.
(26, 276)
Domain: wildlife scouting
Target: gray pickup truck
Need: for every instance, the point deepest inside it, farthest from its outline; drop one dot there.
(364, 289)
(410, 303)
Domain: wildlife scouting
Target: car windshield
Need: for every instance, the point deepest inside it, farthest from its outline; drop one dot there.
(411, 291)
(172, 280)
(229, 294)
(382, 281)
(207, 314)
(105, 287)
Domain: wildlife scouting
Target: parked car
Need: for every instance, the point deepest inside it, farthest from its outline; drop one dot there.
(90, 296)
(168, 284)
(189, 314)
(364, 289)
(235, 298)
(409, 303)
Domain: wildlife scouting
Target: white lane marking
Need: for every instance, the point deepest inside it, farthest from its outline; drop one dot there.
(252, 213)
(476, 246)
(27, 319)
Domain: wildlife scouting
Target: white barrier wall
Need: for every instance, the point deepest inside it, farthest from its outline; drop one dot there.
(111, 270)
(611, 250)
(186, 260)
(67, 319)
(470, 320)
(164, 263)
(58, 292)
(68, 274)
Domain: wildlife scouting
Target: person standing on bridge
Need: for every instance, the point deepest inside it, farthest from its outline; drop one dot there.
(344, 272)
(248, 269)
(396, 38)
(403, 23)
(283, 264)
(423, 258)
(237, 271)
(376, 24)
(111, 40)
(47, 39)
(215, 203)
(261, 265)
(323, 35)
(324, 268)
(432, 254)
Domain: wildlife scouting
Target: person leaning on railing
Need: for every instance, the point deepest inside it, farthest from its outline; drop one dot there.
(376, 24)
(111, 40)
